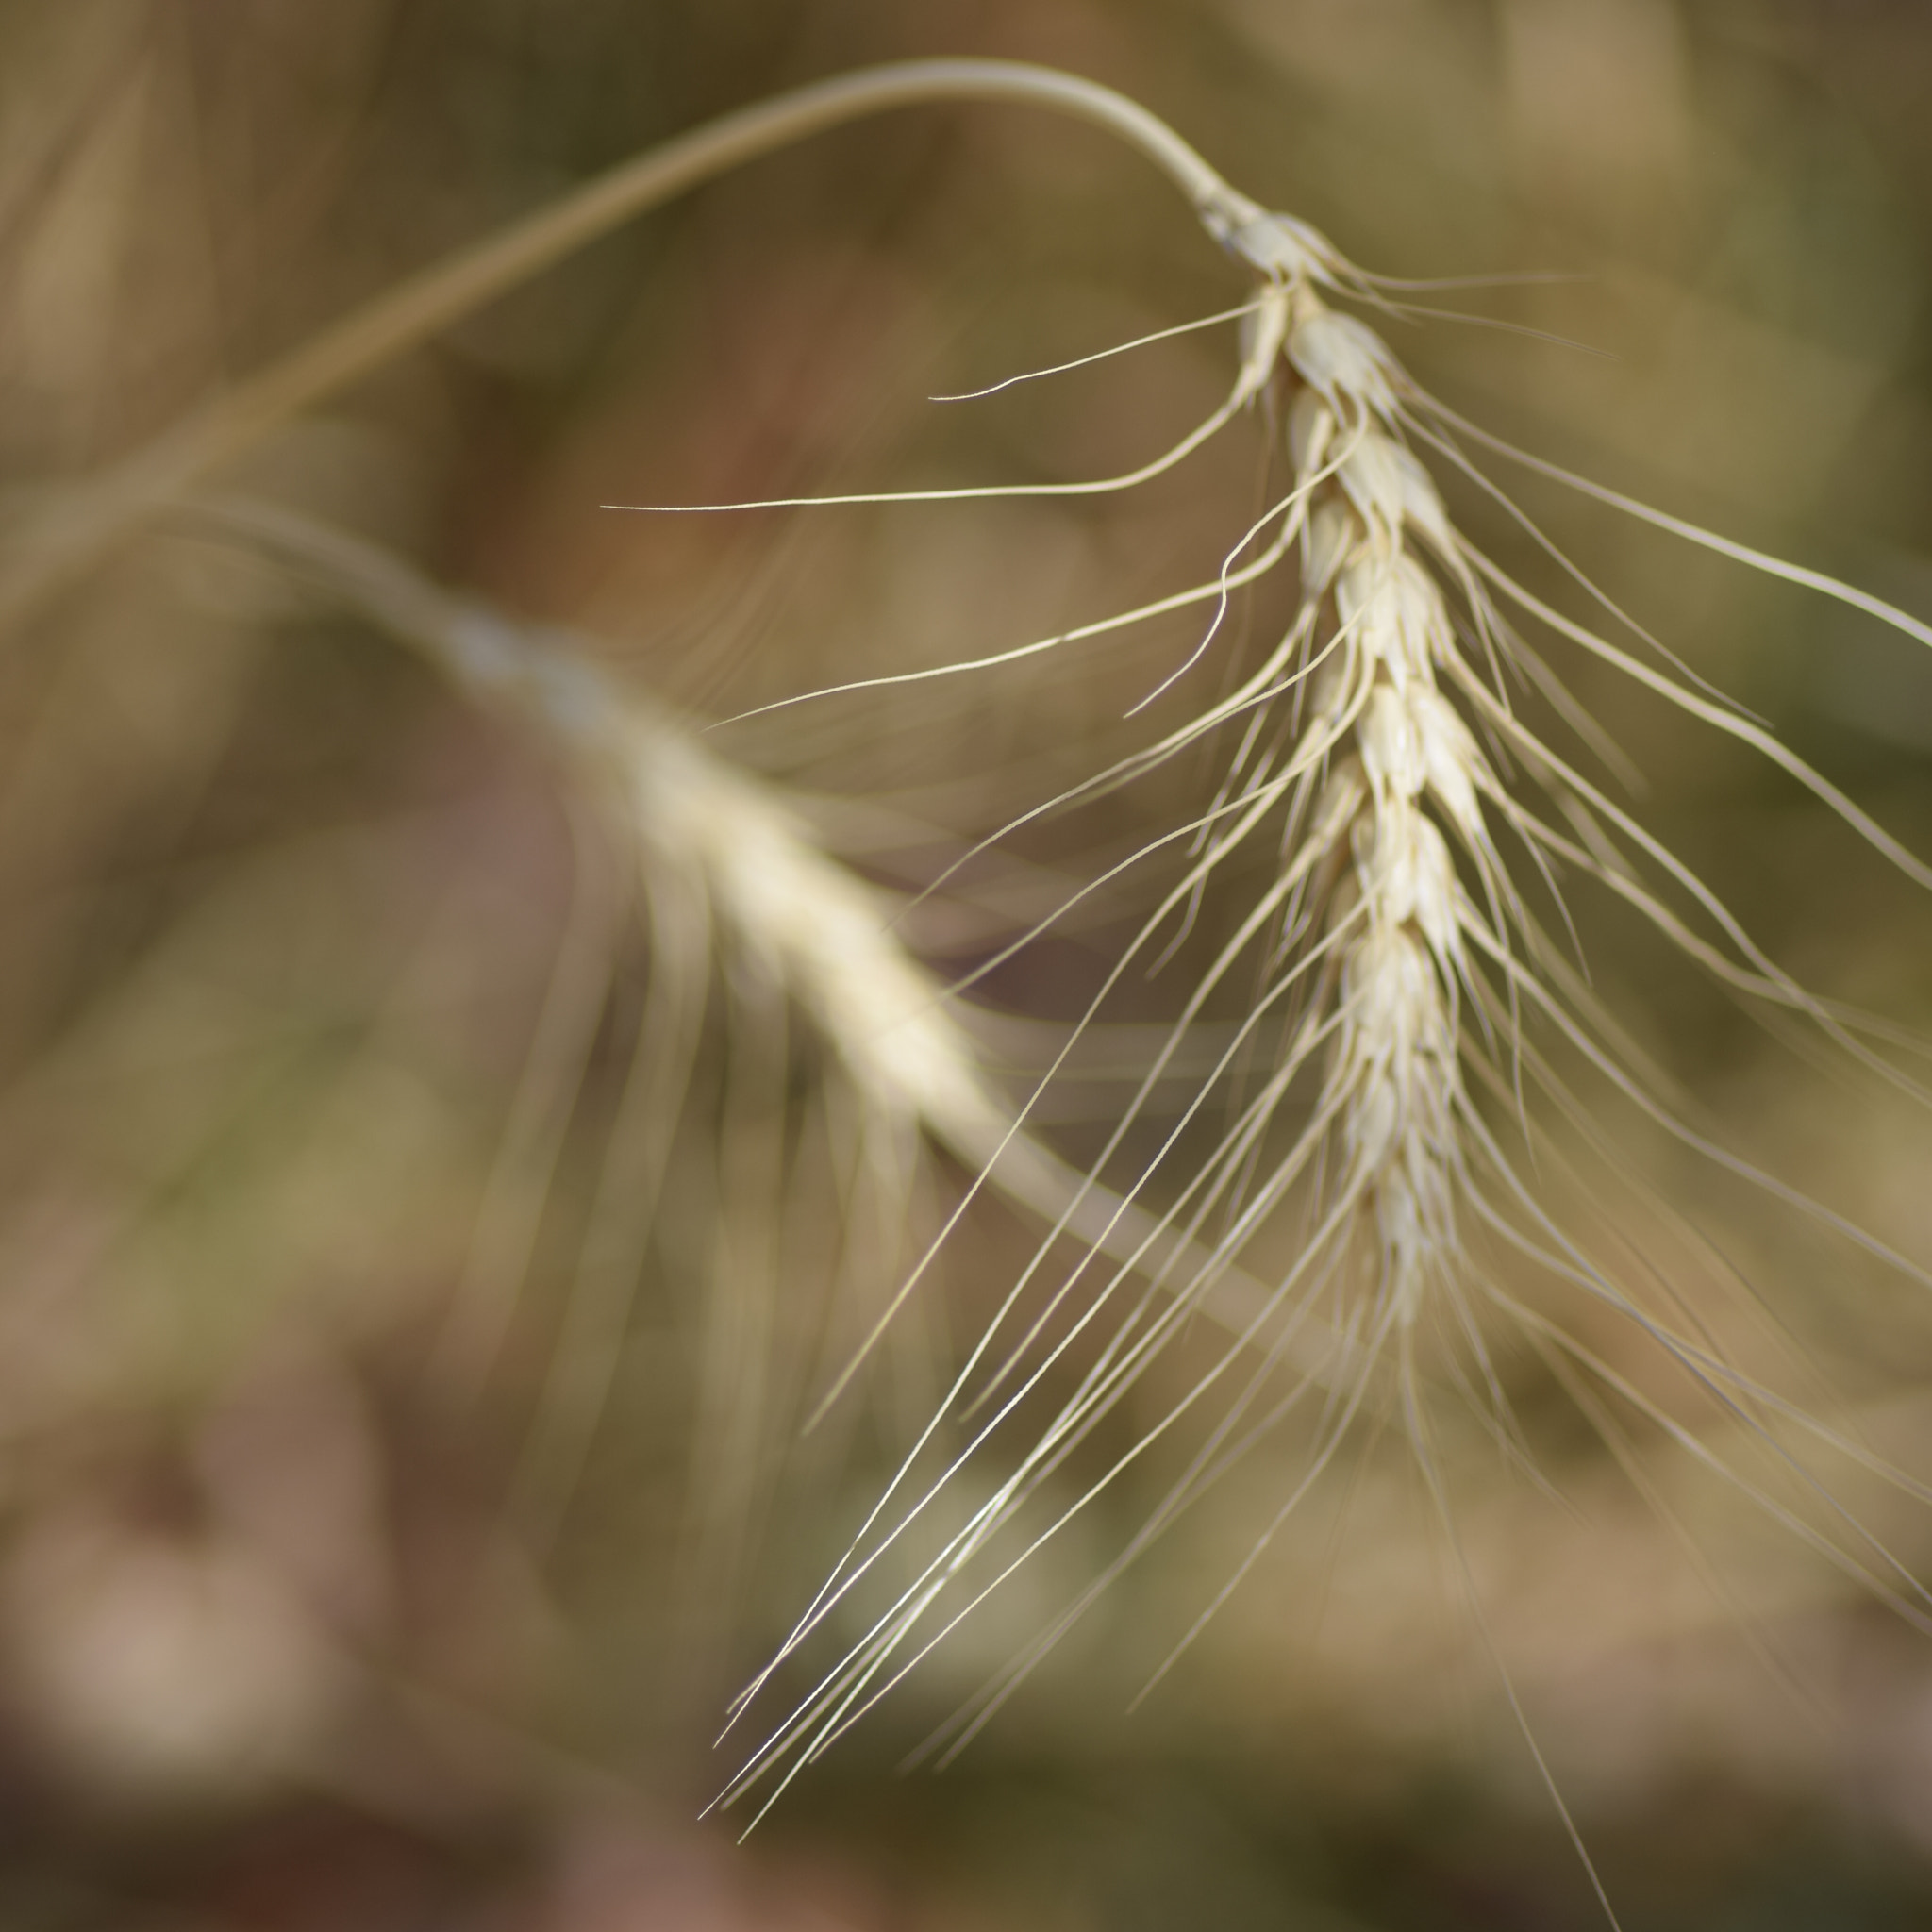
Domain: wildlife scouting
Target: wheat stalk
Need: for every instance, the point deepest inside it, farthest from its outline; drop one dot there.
(59, 543)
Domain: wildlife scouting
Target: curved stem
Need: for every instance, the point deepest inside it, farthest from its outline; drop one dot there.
(60, 545)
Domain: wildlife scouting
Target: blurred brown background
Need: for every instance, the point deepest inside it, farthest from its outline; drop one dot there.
(295, 1632)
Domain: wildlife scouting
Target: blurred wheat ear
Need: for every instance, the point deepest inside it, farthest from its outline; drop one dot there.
(755, 934)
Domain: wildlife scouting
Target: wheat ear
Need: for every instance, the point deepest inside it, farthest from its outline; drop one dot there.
(1416, 998)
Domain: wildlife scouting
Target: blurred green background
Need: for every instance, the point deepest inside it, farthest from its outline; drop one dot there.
(300, 1630)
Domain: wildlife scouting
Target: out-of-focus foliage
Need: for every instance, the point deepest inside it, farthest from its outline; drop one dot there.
(325, 1600)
